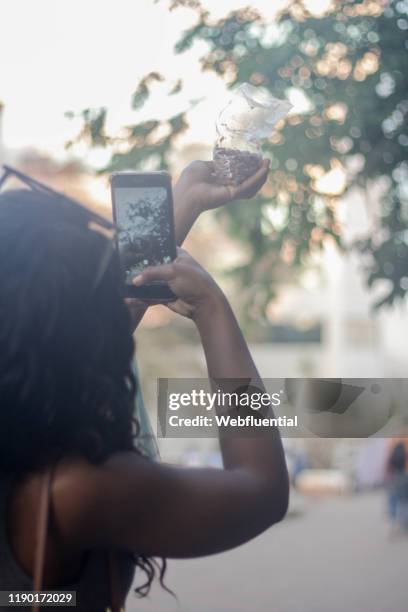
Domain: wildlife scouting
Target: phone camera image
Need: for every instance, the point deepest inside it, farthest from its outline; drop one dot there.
(144, 232)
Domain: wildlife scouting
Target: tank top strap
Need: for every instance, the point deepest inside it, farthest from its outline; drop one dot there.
(42, 530)
(41, 543)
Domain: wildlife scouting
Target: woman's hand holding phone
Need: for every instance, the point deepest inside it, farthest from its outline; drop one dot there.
(197, 292)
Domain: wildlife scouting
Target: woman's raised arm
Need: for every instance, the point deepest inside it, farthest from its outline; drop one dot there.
(132, 503)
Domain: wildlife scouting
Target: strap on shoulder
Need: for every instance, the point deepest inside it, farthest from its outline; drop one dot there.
(41, 542)
(41, 531)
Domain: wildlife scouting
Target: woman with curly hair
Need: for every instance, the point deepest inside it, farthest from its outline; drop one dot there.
(74, 488)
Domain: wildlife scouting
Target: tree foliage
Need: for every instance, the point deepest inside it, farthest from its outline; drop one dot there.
(350, 66)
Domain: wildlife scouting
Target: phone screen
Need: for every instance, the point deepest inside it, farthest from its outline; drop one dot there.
(145, 233)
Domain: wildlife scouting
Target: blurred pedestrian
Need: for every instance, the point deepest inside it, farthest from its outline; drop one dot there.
(397, 479)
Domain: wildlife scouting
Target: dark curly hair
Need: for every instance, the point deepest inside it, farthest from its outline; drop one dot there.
(66, 382)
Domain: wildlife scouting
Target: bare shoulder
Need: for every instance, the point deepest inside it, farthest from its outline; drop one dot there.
(84, 493)
(78, 473)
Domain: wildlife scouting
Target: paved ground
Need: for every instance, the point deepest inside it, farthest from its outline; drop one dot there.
(336, 556)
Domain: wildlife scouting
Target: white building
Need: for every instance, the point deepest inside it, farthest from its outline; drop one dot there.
(355, 340)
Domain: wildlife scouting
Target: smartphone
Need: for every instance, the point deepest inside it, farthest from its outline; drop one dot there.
(143, 213)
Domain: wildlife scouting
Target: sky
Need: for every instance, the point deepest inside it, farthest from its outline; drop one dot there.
(67, 55)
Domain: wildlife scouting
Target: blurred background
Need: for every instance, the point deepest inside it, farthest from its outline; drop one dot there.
(316, 266)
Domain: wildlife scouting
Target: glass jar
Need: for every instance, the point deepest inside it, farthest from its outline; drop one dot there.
(248, 118)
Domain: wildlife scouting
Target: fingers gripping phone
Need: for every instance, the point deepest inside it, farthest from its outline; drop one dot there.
(143, 213)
